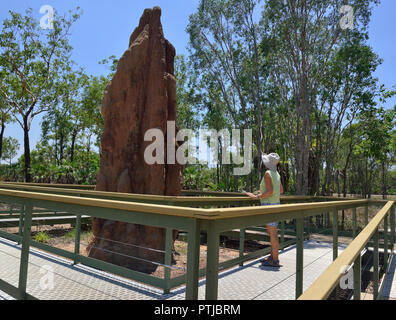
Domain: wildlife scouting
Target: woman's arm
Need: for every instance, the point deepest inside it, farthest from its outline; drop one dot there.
(281, 188)
(268, 187)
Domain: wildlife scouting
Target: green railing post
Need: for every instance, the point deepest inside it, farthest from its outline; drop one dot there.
(328, 219)
(212, 263)
(241, 244)
(366, 217)
(283, 235)
(392, 223)
(335, 234)
(366, 220)
(357, 277)
(376, 264)
(21, 223)
(386, 242)
(168, 259)
(354, 223)
(193, 252)
(77, 238)
(300, 256)
(23, 267)
(308, 227)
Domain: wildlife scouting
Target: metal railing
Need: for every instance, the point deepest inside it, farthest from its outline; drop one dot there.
(171, 213)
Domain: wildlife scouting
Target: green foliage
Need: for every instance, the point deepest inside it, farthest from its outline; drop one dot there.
(41, 237)
(10, 149)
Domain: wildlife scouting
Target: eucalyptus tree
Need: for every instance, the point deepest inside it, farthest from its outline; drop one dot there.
(31, 59)
(303, 35)
(62, 122)
(10, 149)
(188, 101)
(224, 44)
(5, 118)
(348, 88)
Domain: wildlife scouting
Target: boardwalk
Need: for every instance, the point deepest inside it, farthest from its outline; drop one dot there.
(389, 292)
(78, 282)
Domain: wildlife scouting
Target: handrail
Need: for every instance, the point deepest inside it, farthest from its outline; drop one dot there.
(186, 194)
(328, 280)
(55, 185)
(183, 211)
(111, 204)
(134, 196)
(214, 221)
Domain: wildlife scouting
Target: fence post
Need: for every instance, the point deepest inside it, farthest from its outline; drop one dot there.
(392, 223)
(354, 223)
(376, 264)
(168, 259)
(212, 262)
(328, 219)
(77, 238)
(193, 252)
(21, 222)
(335, 234)
(308, 227)
(386, 242)
(283, 235)
(366, 219)
(357, 277)
(23, 267)
(300, 256)
(241, 244)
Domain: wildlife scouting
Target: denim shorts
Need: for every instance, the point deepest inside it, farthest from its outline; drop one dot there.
(273, 224)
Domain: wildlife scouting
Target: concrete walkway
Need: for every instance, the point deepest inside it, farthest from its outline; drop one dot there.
(79, 282)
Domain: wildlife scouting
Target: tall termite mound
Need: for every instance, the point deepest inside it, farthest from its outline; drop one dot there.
(140, 97)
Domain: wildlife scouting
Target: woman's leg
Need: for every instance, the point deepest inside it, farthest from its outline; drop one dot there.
(274, 239)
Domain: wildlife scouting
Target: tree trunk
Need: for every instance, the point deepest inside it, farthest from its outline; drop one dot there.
(344, 186)
(1, 138)
(384, 191)
(61, 148)
(28, 177)
(74, 136)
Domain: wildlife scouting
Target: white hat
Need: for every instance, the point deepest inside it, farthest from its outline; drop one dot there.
(271, 160)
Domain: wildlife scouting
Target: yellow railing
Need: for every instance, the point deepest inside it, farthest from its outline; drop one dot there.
(328, 280)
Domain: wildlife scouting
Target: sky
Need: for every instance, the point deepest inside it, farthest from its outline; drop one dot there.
(105, 27)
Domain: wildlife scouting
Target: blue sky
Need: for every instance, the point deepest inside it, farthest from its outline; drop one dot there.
(105, 27)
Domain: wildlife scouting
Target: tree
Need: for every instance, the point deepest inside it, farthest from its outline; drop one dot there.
(225, 55)
(303, 35)
(187, 98)
(347, 89)
(10, 149)
(31, 60)
(5, 113)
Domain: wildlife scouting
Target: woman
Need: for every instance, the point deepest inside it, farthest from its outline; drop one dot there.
(269, 194)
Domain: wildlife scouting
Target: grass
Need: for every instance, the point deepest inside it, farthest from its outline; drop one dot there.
(41, 237)
(71, 235)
